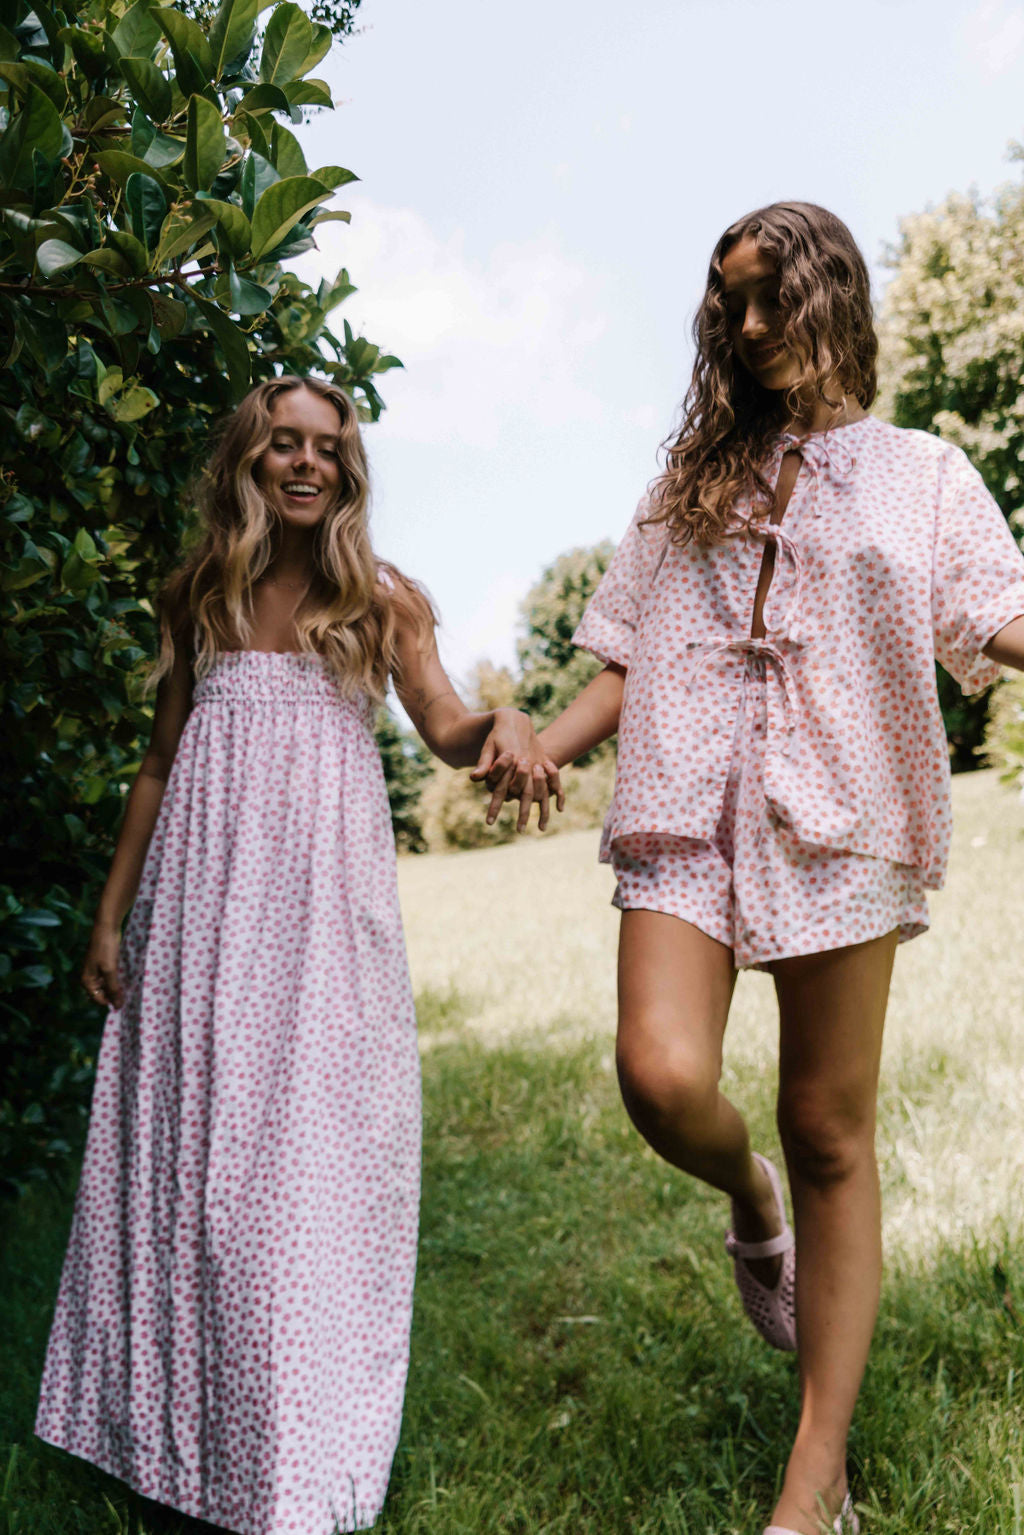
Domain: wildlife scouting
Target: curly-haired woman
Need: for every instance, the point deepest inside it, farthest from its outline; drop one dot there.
(769, 627)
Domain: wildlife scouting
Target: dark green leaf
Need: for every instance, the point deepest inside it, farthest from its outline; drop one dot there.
(322, 40)
(149, 87)
(38, 919)
(233, 229)
(36, 428)
(131, 249)
(294, 243)
(55, 256)
(230, 32)
(138, 31)
(47, 183)
(109, 261)
(102, 111)
(36, 126)
(121, 316)
(248, 297)
(257, 175)
(87, 49)
(164, 150)
(147, 208)
(280, 207)
(309, 93)
(286, 154)
(264, 98)
(143, 133)
(189, 76)
(334, 176)
(183, 228)
(30, 71)
(329, 295)
(205, 144)
(169, 315)
(186, 36)
(120, 167)
(35, 976)
(251, 128)
(232, 342)
(287, 44)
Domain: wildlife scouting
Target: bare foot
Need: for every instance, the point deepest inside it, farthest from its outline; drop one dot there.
(809, 1504)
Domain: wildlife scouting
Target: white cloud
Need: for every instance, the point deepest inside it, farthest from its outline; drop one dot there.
(511, 337)
(994, 33)
(488, 630)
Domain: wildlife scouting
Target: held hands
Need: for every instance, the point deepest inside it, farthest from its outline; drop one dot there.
(99, 973)
(515, 766)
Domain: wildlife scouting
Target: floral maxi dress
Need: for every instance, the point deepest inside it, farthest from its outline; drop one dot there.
(231, 1334)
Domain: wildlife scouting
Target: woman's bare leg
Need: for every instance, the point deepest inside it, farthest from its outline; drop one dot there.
(832, 1012)
(675, 987)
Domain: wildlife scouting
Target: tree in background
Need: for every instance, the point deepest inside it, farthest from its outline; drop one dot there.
(952, 362)
(553, 670)
(150, 187)
(407, 765)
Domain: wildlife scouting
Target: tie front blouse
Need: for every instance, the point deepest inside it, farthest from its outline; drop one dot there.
(891, 553)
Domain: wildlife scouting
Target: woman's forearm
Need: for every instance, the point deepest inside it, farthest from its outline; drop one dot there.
(592, 717)
(457, 734)
(141, 811)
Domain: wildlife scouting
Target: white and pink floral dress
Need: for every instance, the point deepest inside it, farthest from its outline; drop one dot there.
(231, 1335)
(804, 775)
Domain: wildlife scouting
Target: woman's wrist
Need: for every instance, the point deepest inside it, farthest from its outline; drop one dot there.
(107, 920)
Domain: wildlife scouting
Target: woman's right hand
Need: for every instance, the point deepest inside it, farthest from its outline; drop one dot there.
(99, 973)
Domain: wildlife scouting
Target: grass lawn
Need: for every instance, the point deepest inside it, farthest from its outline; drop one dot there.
(579, 1361)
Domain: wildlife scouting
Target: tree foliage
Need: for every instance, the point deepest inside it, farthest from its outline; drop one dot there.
(553, 669)
(952, 362)
(151, 185)
(407, 766)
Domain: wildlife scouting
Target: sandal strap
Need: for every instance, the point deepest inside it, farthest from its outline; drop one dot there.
(767, 1249)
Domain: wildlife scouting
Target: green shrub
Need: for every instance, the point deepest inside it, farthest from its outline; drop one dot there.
(1004, 739)
(150, 187)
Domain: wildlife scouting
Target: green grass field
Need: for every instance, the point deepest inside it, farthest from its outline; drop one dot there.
(579, 1361)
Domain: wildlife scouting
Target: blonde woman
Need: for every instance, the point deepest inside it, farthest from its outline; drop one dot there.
(231, 1335)
(769, 628)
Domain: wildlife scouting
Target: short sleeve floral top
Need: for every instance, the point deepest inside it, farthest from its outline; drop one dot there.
(891, 553)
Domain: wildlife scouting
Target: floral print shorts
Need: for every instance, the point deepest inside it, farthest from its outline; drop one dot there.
(755, 886)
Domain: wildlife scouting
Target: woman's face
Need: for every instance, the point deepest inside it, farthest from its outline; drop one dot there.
(300, 471)
(751, 291)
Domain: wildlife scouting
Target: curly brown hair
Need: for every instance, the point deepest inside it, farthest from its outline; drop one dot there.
(729, 421)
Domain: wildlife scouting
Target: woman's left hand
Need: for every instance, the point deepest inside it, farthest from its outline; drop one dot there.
(515, 766)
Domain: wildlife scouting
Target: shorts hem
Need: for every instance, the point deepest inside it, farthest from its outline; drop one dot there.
(760, 958)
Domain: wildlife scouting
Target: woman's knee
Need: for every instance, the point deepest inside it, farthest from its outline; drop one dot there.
(827, 1140)
(665, 1085)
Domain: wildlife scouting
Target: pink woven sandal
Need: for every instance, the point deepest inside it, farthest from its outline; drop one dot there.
(772, 1311)
(846, 1522)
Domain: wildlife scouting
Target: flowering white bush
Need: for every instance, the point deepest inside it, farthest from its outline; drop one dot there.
(951, 327)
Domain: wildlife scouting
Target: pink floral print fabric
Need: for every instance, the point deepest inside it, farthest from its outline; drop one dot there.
(891, 553)
(757, 888)
(231, 1334)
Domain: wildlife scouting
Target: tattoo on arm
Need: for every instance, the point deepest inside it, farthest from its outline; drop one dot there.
(423, 703)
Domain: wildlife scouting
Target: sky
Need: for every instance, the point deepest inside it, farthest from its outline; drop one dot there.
(540, 189)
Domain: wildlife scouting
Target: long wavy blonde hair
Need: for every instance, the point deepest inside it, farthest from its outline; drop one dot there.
(351, 612)
(729, 421)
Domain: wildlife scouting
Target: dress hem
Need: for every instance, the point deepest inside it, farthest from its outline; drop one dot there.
(192, 1508)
